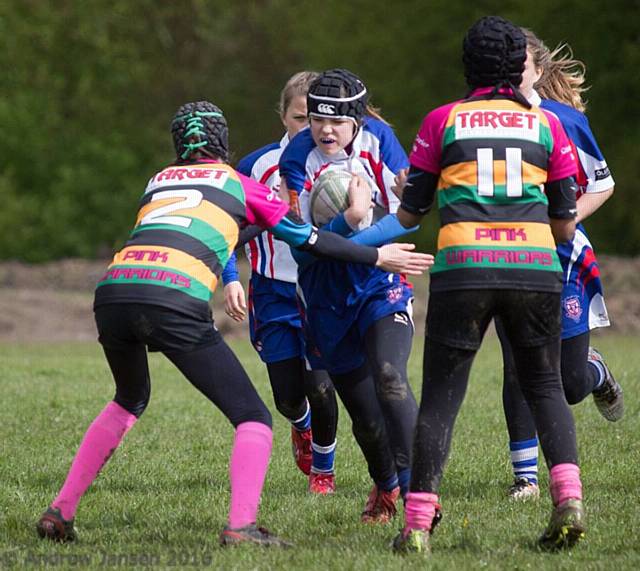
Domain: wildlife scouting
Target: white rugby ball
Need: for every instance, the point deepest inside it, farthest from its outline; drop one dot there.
(330, 195)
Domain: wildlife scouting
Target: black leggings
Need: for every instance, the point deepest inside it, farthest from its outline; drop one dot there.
(445, 383)
(291, 383)
(214, 370)
(379, 400)
(578, 381)
(192, 344)
(462, 317)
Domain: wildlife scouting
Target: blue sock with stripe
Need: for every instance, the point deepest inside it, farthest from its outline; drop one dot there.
(524, 459)
(304, 422)
(323, 458)
(601, 374)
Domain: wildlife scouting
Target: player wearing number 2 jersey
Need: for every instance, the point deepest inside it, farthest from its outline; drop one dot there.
(487, 158)
(156, 294)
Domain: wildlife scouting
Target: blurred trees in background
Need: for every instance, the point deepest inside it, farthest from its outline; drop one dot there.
(90, 88)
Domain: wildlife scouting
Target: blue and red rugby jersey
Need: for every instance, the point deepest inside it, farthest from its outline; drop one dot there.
(583, 306)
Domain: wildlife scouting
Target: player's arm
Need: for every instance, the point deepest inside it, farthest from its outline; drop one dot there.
(289, 227)
(234, 299)
(247, 234)
(600, 184)
(417, 195)
(562, 208)
(230, 272)
(395, 258)
(385, 230)
(288, 193)
(359, 201)
(360, 197)
(589, 202)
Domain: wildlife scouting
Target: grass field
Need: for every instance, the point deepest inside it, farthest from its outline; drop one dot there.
(163, 498)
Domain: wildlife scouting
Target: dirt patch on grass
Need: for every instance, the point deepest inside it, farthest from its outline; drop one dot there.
(53, 301)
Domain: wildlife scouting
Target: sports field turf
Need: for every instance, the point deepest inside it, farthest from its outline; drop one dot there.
(163, 497)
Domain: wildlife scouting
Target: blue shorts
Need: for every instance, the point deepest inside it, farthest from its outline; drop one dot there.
(275, 324)
(336, 342)
(582, 301)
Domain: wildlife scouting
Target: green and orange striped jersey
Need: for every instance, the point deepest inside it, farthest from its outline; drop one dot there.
(186, 228)
(493, 158)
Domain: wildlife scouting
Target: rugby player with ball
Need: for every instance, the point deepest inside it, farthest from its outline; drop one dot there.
(357, 320)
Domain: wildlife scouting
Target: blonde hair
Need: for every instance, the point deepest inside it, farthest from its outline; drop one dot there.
(562, 77)
(297, 85)
(369, 109)
(375, 113)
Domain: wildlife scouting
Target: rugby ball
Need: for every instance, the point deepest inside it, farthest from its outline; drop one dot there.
(330, 195)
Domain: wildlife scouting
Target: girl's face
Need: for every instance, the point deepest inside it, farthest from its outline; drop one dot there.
(332, 135)
(530, 76)
(295, 116)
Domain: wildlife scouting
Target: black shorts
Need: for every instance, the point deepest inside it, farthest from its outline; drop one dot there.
(460, 318)
(160, 328)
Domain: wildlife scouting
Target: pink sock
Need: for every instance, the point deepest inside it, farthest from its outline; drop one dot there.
(248, 467)
(419, 510)
(565, 483)
(101, 439)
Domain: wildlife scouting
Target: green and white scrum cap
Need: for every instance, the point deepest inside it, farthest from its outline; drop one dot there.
(200, 125)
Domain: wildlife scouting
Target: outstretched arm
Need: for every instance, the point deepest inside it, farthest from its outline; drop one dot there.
(289, 227)
(382, 232)
(395, 258)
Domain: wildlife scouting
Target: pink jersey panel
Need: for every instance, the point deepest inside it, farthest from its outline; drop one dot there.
(260, 210)
(427, 147)
(562, 161)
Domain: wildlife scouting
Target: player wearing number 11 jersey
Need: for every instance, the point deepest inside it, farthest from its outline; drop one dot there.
(502, 172)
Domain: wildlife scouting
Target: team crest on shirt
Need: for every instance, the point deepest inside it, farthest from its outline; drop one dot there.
(394, 294)
(572, 307)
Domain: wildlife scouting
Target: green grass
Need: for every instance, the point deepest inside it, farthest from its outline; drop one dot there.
(163, 497)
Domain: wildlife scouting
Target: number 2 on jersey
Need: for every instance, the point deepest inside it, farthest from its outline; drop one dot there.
(190, 199)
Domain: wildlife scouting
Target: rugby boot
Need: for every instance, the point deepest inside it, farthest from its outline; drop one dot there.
(524, 489)
(251, 535)
(566, 526)
(54, 527)
(412, 541)
(322, 484)
(301, 448)
(416, 540)
(608, 397)
(380, 506)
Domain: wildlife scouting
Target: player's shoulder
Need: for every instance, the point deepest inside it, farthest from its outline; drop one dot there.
(574, 122)
(376, 127)
(245, 164)
(300, 147)
(302, 140)
(566, 114)
(439, 115)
